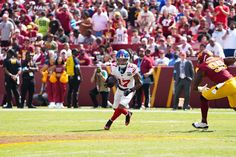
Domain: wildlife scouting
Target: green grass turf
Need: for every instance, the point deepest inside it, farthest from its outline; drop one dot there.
(79, 133)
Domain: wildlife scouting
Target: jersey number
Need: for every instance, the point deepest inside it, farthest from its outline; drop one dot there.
(124, 83)
(217, 65)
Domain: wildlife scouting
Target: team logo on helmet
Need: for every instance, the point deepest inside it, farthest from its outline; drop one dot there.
(122, 54)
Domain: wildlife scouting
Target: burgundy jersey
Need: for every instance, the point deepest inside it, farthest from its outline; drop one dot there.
(215, 69)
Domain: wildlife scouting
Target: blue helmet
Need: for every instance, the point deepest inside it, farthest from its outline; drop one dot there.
(122, 54)
(122, 57)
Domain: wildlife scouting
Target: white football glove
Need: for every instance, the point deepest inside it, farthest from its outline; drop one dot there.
(202, 88)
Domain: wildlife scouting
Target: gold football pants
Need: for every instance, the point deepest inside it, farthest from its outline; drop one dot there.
(228, 89)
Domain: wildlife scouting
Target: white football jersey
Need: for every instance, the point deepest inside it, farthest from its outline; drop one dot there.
(121, 36)
(126, 80)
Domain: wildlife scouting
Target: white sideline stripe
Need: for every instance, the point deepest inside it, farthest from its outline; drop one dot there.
(197, 111)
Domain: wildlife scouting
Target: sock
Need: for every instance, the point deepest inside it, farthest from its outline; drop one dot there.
(124, 111)
(204, 109)
(116, 114)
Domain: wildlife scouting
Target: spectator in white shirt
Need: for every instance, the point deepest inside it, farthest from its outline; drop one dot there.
(146, 19)
(229, 40)
(121, 36)
(135, 39)
(99, 22)
(162, 61)
(194, 26)
(219, 33)
(215, 48)
(76, 38)
(152, 45)
(170, 8)
(186, 47)
(6, 31)
(66, 51)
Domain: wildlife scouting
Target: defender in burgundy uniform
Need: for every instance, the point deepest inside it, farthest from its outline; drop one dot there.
(225, 84)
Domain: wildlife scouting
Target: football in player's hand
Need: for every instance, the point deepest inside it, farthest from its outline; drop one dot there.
(110, 81)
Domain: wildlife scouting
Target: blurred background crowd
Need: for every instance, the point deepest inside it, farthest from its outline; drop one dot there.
(160, 29)
(93, 26)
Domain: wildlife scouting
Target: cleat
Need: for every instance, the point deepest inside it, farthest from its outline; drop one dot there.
(108, 125)
(106, 128)
(31, 106)
(127, 118)
(7, 106)
(52, 105)
(200, 125)
(59, 105)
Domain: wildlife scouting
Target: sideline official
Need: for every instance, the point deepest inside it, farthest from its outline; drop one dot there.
(28, 70)
(12, 71)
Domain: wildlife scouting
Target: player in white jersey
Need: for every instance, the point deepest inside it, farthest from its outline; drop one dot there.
(129, 81)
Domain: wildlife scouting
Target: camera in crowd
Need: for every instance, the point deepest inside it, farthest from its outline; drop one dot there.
(99, 69)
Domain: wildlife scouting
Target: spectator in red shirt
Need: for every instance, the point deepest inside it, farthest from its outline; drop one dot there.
(27, 47)
(39, 57)
(64, 16)
(32, 34)
(84, 58)
(182, 24)
(222, 13)
(166, 22)
(108, 34)
(175, 35)
(24, 18)
(145, 69)
(18, 37)
(116, 20)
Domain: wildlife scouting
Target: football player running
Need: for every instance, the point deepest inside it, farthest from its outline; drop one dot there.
(215, 69)
(129, 81)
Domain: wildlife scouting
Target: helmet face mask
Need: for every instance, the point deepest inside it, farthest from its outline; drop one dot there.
(122, 62)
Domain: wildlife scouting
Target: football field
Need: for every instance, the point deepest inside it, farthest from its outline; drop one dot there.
(151, 133)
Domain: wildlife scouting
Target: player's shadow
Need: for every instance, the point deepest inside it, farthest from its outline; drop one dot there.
(87, 130)
(191, 131)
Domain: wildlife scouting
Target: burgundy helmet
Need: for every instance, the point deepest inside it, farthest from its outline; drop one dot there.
(202, 56)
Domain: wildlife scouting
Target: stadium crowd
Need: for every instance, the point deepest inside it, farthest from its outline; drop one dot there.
(50, 30)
